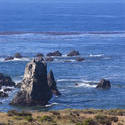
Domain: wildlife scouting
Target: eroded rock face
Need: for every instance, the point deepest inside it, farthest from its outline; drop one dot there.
(52, 83)
(73, 53)
(34, 88)
(104, 84)
(6, 80)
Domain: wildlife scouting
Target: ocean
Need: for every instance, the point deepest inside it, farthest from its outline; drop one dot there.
(95, 29)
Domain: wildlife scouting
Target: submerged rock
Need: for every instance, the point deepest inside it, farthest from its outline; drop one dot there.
(49, 59)
(17, 55)
(56, 53)
(80, 59)
(39, 55)
(8, 89)
(18, 85)
(52, 83)
(6, 80)
(3, 94)
(104, 84)
(9, 58)
(73, 53)
(34, 88)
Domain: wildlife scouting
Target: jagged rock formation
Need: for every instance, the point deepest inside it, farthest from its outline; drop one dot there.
(52, 83)
(34, 88)
(104, 84)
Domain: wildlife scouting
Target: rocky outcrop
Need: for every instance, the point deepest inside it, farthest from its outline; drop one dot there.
(6, 80)
(9, 58)
(52, 83)
(17, 55)
(56, 53)
(34, 89)
(104, 84)
(73, 53)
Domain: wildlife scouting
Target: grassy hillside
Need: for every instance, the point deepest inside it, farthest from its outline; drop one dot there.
(64, 117)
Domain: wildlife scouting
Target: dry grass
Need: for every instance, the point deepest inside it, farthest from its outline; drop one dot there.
(64, 117)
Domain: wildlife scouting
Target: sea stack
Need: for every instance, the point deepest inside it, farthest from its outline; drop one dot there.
(34, 89)
(52, 83)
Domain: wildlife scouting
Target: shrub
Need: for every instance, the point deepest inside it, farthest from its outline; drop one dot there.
(12, 113)
(28, 118)
(46, 118)
(103, 119)
(89, 121)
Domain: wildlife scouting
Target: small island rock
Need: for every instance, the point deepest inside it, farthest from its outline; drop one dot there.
(104, 84)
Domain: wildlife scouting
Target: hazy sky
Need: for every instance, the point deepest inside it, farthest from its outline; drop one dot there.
(66, 1)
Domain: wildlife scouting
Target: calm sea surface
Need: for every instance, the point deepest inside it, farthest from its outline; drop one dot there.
(99, 35)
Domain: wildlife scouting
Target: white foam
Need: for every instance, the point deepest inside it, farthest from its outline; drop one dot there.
(65, 80)
(1, 59)
(85, 85)
(15, 59)
(49, 105)
(96, 55)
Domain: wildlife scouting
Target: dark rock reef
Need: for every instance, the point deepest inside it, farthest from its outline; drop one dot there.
(52, 83)
(104, 84)
(73, 53)
(34, 88)
(56, 53)
(6, 80)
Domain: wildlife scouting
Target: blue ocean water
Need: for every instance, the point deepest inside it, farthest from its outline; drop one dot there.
(98, 35)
